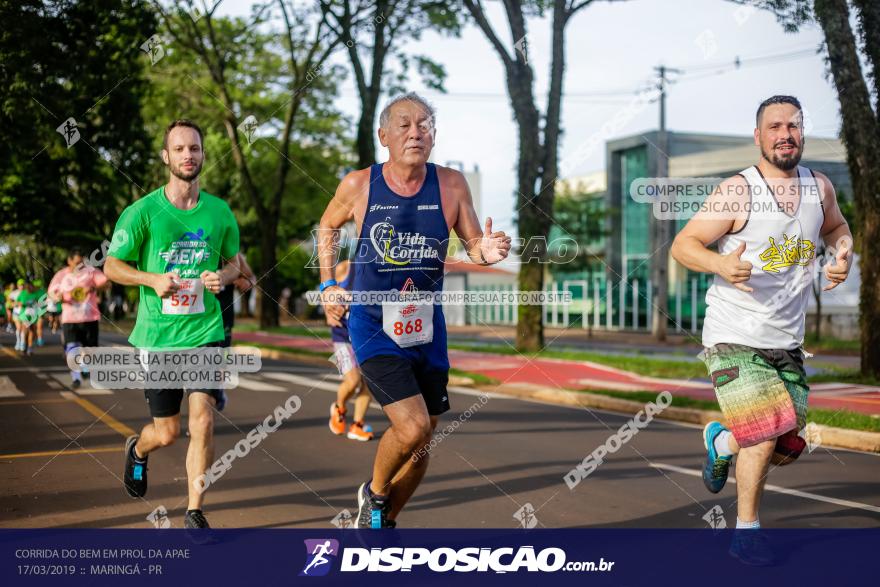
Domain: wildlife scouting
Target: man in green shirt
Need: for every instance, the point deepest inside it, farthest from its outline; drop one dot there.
(179, 237)
(27, 314)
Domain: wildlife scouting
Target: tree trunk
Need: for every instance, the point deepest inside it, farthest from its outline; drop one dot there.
(245, 300)
(366, 147)
(268, 308)
(868, 12)
(860, 135)
(529, 327)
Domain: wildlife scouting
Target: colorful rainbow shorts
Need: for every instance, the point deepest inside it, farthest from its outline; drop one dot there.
(762, 394)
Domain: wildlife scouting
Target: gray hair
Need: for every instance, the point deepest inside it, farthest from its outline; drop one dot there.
(408, 97)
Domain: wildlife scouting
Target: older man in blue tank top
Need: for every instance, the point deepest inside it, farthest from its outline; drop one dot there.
(404, 210)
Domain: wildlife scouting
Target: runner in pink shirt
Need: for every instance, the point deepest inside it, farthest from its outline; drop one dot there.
(76, 287)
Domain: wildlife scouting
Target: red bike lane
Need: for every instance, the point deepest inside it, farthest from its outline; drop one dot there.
(585, 375)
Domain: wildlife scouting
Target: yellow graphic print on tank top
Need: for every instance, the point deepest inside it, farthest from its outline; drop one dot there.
(792, 251)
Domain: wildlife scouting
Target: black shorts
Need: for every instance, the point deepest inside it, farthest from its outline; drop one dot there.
(165, 403)
(392, 378)
(85, 333)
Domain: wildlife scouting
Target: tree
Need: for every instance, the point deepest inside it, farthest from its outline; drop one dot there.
(301, 61)
(860, 133)
(580, 216)
(537, 164)
(862, 139)
(387, 24)
(78, 60)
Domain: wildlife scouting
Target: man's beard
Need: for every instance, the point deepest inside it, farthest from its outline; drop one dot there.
(178, 173)
(784, 163)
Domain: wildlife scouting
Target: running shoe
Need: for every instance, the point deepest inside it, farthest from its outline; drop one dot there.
(337, 419)
(135, 476)
(371, 511)
(76, 383)
(752, 547)
(716, 467)
(356, 431)
(39, 342)
(197, 527)
(195, 520)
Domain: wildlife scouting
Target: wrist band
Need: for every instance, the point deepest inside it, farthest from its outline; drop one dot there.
(325, 284)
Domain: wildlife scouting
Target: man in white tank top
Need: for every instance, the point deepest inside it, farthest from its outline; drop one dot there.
(766, 221)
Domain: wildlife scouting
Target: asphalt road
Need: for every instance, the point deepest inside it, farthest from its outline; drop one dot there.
(61, 462)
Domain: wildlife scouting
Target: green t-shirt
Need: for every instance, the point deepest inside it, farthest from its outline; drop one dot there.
(28, 309)
(162, 239)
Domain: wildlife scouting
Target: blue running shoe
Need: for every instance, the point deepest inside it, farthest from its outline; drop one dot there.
(752, 547)
(135, 474)
(716, 467)
(372, 512)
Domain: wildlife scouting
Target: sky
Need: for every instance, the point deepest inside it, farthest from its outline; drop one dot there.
(612, 50)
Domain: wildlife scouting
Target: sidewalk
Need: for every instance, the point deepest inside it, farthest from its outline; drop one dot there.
(583, 375)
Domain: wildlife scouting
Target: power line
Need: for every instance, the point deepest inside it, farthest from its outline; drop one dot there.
(738, 62)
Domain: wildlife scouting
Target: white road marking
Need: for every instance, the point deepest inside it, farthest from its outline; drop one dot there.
(780, 489)
(255, 385)
(309, 382)
(86, 389)
(8, 387)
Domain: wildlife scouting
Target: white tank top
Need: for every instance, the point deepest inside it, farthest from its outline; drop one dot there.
(782, 250)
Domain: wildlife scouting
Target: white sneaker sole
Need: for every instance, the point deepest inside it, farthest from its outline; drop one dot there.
(705, 430)
(360, 505)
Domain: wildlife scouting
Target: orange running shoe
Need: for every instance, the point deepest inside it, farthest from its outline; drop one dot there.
(356, 432)
(337, 419)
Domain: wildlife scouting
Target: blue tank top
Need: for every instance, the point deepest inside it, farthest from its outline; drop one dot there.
(403, 243)
(340, 333)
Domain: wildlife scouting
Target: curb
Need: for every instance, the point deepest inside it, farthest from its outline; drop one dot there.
(454, 380)
(585, 399)
(279, 355)
(860, 440)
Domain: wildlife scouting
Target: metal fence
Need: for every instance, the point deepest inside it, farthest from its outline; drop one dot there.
(602, 305)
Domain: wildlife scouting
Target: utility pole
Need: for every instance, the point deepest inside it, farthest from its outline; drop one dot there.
(661, 230)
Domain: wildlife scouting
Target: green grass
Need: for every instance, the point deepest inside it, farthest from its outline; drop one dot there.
(837, 418)
(646, 366)
(843, 376)
(312, 331)
(644, 397)
(478, 378)
(828, 343)
(286, 349)
(844, 419)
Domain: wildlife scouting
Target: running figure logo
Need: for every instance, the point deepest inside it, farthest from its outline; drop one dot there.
(715, 518)
(69, 131)
(526, 516)
(383, 236)
(319, 556)
(401, 248)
